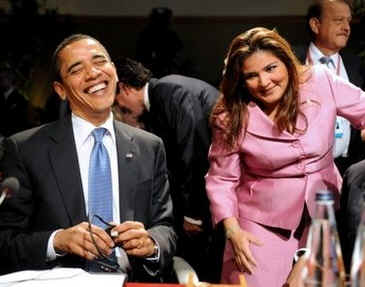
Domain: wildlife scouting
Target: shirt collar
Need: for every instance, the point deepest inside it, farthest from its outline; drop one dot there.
(82, 128)
(316, 54)
(146, 98)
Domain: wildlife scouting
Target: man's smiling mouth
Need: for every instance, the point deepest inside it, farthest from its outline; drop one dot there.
(96, 88)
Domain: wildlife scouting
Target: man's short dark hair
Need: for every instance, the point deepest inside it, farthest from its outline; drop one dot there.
(132, 73)
(315, 11)
(56, 75)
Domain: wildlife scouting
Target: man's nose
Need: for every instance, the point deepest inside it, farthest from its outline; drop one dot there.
(346, 26)
(92, 72)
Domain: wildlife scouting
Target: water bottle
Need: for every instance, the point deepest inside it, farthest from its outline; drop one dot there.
(358, 258)
(324, 266)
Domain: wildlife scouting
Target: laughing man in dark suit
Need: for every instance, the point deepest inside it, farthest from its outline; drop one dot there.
(47, 224)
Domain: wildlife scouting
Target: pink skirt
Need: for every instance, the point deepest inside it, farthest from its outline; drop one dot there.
(274, 258)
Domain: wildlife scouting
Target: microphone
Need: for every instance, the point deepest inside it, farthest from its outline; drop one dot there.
(9, 186)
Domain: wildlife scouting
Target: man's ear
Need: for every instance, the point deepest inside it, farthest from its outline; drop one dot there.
(60, 90)
(314, 23)
(116, 74)
(125, 89)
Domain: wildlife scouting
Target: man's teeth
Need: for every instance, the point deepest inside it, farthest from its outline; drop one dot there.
(96, 88)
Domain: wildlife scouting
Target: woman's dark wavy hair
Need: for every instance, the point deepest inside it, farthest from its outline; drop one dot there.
(236, 96)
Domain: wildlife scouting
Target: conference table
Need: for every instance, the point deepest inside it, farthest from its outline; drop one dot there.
(131, 284)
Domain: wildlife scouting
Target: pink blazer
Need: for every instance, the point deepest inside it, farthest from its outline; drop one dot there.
(270, 175)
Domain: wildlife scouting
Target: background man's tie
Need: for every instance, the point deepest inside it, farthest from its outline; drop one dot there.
(327, 61)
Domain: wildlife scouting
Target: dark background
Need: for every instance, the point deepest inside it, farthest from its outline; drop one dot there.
(29, 37)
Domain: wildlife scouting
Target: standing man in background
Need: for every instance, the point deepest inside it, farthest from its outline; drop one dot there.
(328, 22)
(83, 167)
(177, 109)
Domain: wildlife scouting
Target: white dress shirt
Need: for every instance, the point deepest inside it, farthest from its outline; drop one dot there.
(343, 127)
(84, 144)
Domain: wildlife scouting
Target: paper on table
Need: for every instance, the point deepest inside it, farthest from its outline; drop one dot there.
(60, 277)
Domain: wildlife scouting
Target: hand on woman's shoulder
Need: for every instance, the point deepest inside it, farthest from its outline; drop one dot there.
(221, 121)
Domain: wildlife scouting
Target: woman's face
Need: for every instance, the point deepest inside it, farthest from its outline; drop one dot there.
(266, 78)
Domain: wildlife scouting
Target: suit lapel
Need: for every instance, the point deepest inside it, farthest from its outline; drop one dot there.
(127, 169)
(260, 125)
(64, 161)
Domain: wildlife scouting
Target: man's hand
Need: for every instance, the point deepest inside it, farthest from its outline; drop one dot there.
(77, 240)
(192, 229)
(134, 239)
(363, 135)
(295, 275)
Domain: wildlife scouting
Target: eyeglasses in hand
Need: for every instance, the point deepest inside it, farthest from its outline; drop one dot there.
(105, 262)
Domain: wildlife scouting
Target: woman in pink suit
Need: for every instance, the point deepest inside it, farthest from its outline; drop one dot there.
(273, 134)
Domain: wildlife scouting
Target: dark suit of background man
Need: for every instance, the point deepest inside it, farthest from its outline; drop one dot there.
(177, 108)
(45, 225)
(328, 22)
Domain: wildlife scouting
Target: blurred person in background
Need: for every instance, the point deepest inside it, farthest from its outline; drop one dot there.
(177, 109)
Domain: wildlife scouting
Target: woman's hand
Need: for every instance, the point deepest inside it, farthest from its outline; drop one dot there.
(241, 240)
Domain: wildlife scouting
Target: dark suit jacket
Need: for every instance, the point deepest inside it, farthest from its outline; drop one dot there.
(353, 188)
(179, 114)
(356, 73)
(44, 159)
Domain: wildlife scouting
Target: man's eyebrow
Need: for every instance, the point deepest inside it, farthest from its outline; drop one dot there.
(97, 56)
(72, 66)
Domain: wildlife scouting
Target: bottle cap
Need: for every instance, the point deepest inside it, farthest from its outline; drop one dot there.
(324, 195)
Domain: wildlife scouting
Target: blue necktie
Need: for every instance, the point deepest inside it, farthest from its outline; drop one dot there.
(100, 196)
(100, 200)
(326, 61)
